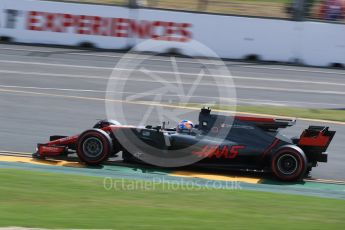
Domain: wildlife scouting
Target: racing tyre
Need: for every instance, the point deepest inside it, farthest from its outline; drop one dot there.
(289, 163)
(94, 146)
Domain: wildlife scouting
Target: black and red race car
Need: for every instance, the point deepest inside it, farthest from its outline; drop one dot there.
(235, 142)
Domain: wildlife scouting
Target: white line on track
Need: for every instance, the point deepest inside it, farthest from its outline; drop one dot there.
(240, 100)
(41, 74)
(146, 103)
(124, 56)
(238, 86)
(34, 50)
(183, 73)
(72, 52)
(170, 73)
(124, 92)
(294, 69)
(56, 64)
(57, 89)
(288, 80)
(12, 152)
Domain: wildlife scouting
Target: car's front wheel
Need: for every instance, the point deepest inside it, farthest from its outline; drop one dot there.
(94, 146)
(289, 163)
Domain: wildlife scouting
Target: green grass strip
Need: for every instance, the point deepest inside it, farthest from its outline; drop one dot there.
(48, 200)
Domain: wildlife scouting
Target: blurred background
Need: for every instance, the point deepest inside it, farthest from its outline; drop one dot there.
(299, 10)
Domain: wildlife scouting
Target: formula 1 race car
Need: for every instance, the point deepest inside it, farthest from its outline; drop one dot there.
(236, 142)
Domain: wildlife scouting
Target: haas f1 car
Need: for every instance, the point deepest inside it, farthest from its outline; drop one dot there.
(236, 142)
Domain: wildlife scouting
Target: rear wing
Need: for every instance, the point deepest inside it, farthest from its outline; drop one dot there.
(316, 137)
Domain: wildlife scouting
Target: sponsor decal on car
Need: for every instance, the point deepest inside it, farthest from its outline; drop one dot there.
(215, 151)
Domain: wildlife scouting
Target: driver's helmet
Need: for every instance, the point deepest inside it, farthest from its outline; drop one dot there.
(185, 126)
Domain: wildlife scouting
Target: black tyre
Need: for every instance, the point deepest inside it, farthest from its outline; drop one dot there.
(289, 163)
(94, 146)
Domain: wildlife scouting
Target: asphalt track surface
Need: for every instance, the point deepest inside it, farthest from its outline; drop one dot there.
(48, 91)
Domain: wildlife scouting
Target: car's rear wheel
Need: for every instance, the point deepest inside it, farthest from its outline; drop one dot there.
(94, 146)
(289, 164)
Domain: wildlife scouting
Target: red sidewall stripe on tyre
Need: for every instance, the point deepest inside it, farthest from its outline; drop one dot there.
(104, 142)
(296, 154)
